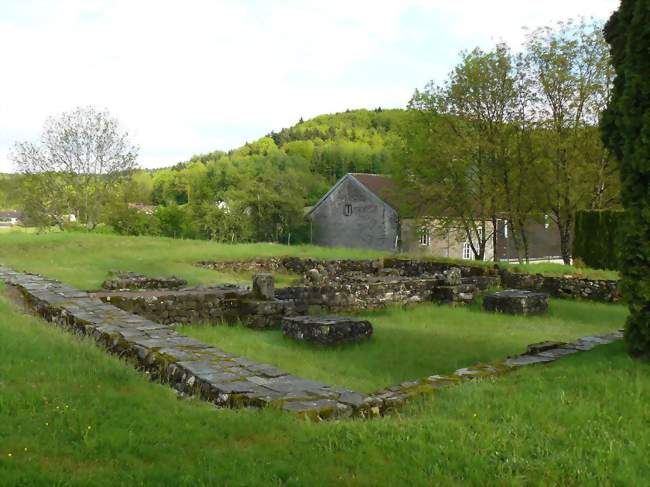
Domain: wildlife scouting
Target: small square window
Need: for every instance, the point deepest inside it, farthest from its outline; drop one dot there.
(347, 210)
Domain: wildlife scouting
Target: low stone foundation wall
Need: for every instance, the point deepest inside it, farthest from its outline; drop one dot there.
(132, 280)
(337, 269)
(564, 287)
(371, 295)
(228, 304)
(340, 272)
(231, 304)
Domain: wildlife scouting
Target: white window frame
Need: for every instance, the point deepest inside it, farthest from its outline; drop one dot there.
(425, 237)
(505, 228)
(467, 251)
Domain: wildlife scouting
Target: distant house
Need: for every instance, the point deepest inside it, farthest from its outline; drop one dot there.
(10, 218)
(142, 208)
(363, 211)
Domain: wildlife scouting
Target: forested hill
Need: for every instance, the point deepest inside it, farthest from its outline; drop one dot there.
(316, 151)
(334, 144)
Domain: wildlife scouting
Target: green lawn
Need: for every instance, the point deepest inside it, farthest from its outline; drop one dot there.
(83, 260)
(416, 342)
(72, 415)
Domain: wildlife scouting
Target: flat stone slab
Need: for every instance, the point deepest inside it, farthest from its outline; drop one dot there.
(326, 330)
(517, 302)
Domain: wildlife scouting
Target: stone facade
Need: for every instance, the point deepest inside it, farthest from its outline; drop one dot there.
(426, 238)
(372, 211)
(326, 330)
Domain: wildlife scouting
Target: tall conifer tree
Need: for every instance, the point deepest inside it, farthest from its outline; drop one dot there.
(626, 131)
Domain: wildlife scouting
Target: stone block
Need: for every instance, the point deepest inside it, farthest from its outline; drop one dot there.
(263, 286)
(313, 276)
(515, 301)
(326, 330)
(452, 277)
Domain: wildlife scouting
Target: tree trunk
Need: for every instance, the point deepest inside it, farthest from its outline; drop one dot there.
(565, 239)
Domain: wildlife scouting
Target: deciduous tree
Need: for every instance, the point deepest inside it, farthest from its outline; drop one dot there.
(81, 158)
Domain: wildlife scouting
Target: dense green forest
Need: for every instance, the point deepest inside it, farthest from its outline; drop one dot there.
(325, 147)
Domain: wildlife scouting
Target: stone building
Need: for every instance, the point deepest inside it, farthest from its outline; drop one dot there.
(355, 213)
(363, 211)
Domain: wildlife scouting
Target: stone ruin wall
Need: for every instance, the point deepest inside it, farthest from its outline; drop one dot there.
(605, 291)
(483, 277)
(339, 286)
(215, 305)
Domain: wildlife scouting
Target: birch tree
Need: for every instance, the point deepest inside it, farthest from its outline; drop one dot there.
(81, 158)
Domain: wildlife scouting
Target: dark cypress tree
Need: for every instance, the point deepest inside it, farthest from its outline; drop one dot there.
(626, 131)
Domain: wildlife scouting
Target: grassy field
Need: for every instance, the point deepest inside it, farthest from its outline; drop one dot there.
(416, 342)
(83, 260)
(72, 415)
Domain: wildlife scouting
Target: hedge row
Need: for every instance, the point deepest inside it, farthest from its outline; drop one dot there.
(595, 239)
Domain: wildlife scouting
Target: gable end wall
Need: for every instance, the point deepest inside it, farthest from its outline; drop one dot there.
(373, 224)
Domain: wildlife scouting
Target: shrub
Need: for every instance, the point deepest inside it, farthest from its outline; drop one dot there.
(130, 221)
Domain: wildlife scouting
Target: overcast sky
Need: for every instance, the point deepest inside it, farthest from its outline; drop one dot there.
(186, 76)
